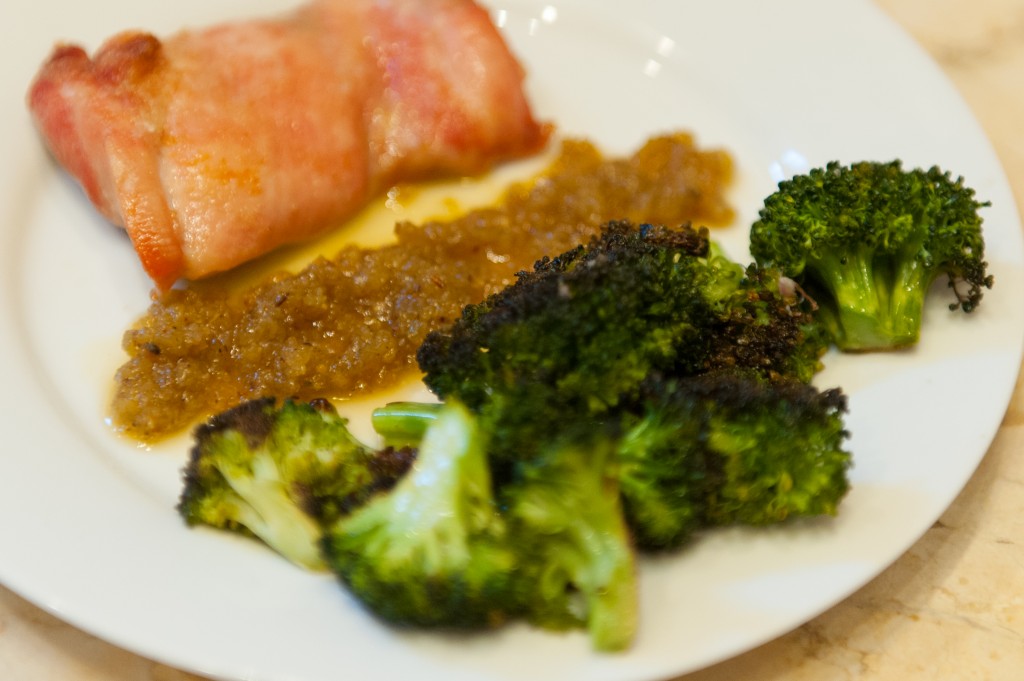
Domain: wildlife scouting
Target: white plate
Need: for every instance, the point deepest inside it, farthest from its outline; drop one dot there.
(87, 526)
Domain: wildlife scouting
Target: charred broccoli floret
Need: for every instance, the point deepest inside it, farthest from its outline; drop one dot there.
(730, 448)
(767, 327)
(867, 240)
(591, 323)
(433, 550)
(282, 474)
(580, 332)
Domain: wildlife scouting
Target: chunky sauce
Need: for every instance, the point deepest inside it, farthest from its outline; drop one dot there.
(352, 322)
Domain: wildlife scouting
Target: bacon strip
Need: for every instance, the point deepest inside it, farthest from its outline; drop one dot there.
(215, 146)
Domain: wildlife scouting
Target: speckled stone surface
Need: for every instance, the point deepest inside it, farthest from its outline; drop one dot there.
(951, 608)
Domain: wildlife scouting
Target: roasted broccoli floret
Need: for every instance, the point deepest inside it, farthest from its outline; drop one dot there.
(767, 327)
(566, 518)
(591, 323)
(450, 546)
(664, 473)
(433, 550)
(282, 474)
(581, 331)
(781, 448)
(729, 448)
(867, 240)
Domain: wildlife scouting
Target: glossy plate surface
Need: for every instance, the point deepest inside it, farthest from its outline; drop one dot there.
(87, 526)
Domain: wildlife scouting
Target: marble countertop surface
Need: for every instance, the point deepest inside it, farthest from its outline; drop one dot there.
(951, 608)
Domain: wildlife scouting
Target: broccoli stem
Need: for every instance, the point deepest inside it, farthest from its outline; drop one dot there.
(612, 604)
(906, 308)
(569, 504)
(268, 511)
(862, 318)
(403, 424)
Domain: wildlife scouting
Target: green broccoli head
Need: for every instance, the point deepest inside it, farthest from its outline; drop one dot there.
(729, 448)
(282, 474)
(566, 518)
(779, 447)
(432, 551)
(665, 475)
(867, 240)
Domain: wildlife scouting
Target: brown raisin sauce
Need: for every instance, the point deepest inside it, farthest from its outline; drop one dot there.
(352, 322)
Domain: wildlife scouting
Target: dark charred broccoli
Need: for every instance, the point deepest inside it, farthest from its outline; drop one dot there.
(867, 240)
(767, 327)
(282, 474)
(580, 332)
(729, 448)
(591, 323)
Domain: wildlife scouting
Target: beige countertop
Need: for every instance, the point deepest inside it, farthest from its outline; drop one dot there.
(951, 608)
